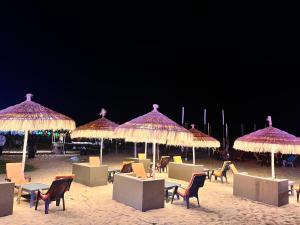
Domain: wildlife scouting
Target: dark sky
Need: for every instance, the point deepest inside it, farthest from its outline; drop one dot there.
(77, 57)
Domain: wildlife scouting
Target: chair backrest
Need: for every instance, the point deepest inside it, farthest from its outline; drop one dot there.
(177, 159)
(94, 160)
(233, 168)
(58, 188)
(139, 170)
(57, 177)
(126, 168)
(164, 161)
(142, 156)
(196, 182)
(14, 172)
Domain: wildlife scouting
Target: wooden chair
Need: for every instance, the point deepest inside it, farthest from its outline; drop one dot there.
(177, 159)
(15, 174)
(221, 172)
(163, 163)
(94, 160)
(196, 182)
(141, 156)
(139, 170)
(56, 192)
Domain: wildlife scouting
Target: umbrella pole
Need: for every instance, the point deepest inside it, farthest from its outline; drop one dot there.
(194, 160)
(153, 165)
(101, 147)
(272, 164)
(134, 150)
(146, 149)
(24, 149)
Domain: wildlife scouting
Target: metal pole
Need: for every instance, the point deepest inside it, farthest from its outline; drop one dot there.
(24, 149)
(194, 159)
(146, 149)
(153, 165)
(101, 147)
(134, 150)
(272, 162)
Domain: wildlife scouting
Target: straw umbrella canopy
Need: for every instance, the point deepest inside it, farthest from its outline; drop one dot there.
(202, 140)
(29, 116)
(269, 139)
(101, 129)
(156, 128)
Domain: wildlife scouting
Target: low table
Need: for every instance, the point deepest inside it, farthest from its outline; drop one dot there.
(111, 173)
(31, 188)
(170, 186)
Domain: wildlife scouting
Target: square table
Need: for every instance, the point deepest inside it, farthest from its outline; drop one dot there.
(31, 188)
(170, 186)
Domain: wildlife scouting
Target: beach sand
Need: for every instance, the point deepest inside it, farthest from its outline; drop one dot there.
(85, 205)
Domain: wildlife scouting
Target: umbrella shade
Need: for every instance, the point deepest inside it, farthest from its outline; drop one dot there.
(101, 128)
(202, 140)
(267, 140)
(156, 128)
(29, 115)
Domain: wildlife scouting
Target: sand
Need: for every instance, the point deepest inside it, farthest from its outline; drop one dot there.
(85, 205)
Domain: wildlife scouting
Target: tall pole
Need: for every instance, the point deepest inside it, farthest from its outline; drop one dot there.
(134, 150)
(223, 128)
(146, 149)
(116, 145)
(226, 136)
(272, 162)
(153, 165)
(101, 147)
(182, 123)
(194, 159)
(24, 149)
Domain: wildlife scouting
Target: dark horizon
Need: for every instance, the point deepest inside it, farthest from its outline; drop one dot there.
(76, 60)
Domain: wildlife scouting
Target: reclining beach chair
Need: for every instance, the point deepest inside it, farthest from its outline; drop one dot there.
(196, 182)
(141, 156)
(139, 170)
(56, 192)
(221, 172)
(177, 159)
(94, 160)
(15, 173)
(163, 163)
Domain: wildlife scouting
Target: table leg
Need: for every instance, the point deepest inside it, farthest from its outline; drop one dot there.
(19, 194)
(32, 196)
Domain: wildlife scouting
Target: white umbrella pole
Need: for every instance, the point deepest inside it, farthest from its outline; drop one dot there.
(24, 149)
(134, 150)
(272, 164)
(153, 165)
(194, 159)
(101, 147)
(145, 149)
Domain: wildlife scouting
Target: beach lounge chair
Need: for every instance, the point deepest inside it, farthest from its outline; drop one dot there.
(177, 159)
(94, 160)
(15, 174)
(196, 182)
(221, 172)
(56, 192)
(289, 161)
(141, 156)
(163, 163)
(139, 170)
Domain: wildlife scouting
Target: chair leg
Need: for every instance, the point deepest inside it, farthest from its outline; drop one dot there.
(63, 198)
(198, 200)
(57, 202)
(47, 202)
(298, 192)
(226, 179)
(174, 192)
(187, 202)
(37, 201)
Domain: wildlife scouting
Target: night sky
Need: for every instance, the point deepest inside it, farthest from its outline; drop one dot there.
(79, 57)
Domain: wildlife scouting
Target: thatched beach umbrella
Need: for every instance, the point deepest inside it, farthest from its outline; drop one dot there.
(100, 129)
(29, 116)
(202, 140)
(156, 128)
(269, 139)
